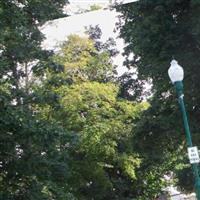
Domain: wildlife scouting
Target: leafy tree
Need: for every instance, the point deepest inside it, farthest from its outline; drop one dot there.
(156, 31)
(103, 163)
(83, 60)
(95, 33)
(31, 164)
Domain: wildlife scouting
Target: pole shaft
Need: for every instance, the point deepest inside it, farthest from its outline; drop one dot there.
(189, 143)
(185, 121)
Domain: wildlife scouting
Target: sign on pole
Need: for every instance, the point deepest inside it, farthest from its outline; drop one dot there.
(193, 155)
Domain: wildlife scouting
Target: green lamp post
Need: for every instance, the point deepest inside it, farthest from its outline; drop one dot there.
(176, 75)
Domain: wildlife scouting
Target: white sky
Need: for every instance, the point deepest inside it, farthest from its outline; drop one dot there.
(57, 31)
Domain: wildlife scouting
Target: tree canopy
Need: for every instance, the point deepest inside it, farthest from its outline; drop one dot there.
(103, 156)
(102, 161)
(65, 133)
(71, 129)
(31, 166)
(156, 31)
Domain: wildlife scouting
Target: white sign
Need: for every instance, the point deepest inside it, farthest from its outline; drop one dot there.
(193, 155)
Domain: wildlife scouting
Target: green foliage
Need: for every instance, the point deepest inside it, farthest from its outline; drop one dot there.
(102, 125)
(31, 164)
(76, 52)
(64, 133)
(156, 31)
(82, 60)
(102, 162)
(30, 156)
(95, 7)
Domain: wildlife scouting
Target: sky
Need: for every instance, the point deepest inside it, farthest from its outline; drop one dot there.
(57, 30)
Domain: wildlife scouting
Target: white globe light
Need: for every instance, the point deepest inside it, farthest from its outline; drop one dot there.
(175, 72)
